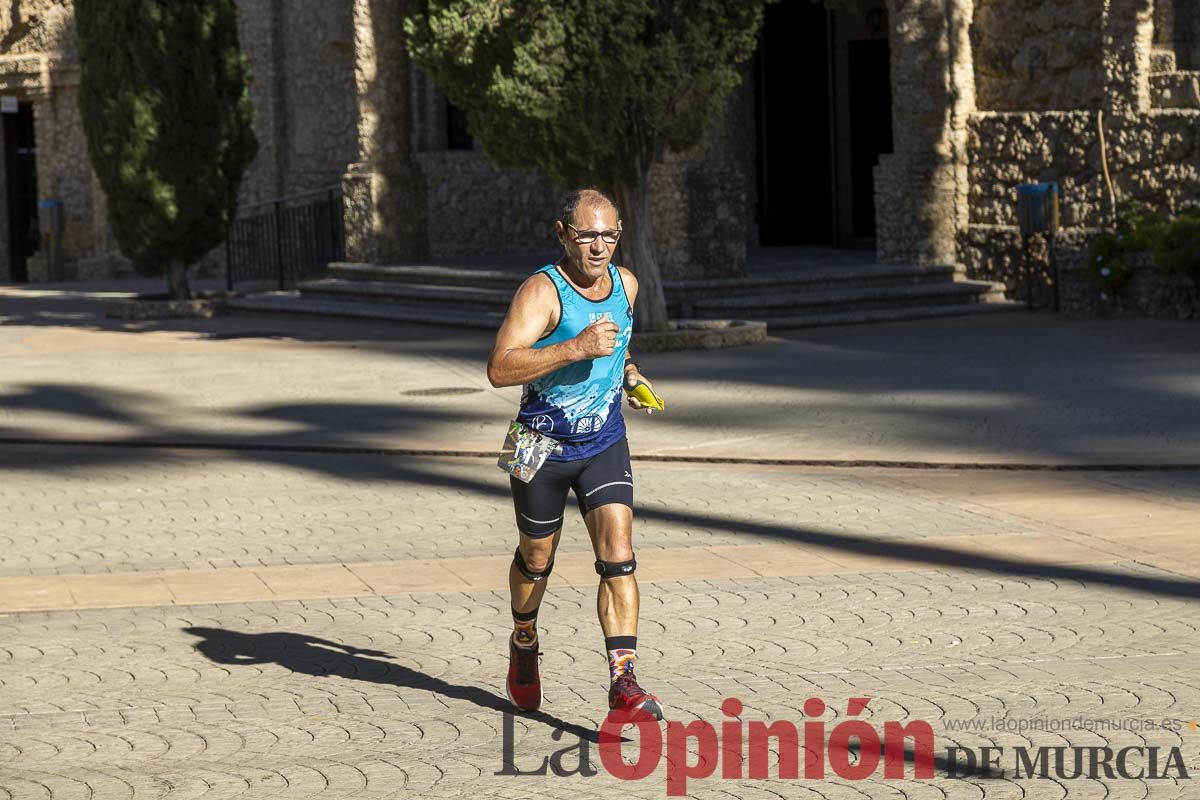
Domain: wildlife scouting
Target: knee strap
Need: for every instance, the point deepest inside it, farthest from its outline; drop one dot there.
(615, 569)
(524, 569)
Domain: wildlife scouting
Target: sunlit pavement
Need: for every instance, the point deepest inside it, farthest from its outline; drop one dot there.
(246, 614)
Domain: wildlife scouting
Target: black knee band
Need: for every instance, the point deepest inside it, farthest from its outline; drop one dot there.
(615, 569)
(524, 569)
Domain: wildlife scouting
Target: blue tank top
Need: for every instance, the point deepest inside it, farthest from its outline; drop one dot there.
(580, 404)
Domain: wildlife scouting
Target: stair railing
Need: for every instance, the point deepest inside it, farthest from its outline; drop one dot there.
(286, 239)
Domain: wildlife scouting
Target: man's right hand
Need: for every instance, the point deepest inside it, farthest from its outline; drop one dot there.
(598, 339)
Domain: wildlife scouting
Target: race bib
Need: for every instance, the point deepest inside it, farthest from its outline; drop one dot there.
(525, 451)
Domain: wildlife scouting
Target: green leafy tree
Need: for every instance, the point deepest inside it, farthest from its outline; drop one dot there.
(169, 125)
(589, 91)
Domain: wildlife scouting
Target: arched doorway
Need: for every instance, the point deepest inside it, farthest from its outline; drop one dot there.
(824, 116)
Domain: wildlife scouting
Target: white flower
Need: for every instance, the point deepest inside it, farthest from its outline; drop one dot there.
(1105, 272)
(1103, 296)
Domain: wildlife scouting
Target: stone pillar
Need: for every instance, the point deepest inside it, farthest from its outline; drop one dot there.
(384, 189)
(1128, 27)
(921, 188)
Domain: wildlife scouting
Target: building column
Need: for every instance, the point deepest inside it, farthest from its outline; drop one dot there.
(1128, 27)
(921, 197)
(384, 189)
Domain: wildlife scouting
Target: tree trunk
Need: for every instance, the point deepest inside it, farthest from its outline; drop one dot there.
(177, 281)
(637, 253)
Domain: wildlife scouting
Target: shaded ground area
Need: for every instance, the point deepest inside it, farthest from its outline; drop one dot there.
(1008, 389)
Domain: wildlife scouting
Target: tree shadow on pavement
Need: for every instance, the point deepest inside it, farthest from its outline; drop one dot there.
(859, 544)
(1017, 386)
(311, 655)
(340, 425)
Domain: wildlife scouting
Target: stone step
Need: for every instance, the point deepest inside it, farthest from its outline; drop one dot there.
(466, 297)
(470, 298)
(429, 275)
(892, 314)
(815, 278)
(292, 303)
(289, 303)
(812, 279)
(850, 299)
(1175, 89)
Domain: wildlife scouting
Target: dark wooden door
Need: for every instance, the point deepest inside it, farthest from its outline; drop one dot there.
(20, 161)
(795, 162)
(870, 126)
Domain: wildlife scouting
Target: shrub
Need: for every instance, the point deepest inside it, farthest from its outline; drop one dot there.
(1175, 244)
(169, 125)
(1178, 248)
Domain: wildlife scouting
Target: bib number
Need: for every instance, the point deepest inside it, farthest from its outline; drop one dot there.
(525, 451)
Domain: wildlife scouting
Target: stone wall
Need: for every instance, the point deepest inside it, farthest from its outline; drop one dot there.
(319, 91)
(301, 59)
(1031, 55)
(476, 208)
(701, 201)
(64, 172)
(1154, 158)
(40, 66)
(996, 253)
(1177, 31)
(261, 37)
(38, 26)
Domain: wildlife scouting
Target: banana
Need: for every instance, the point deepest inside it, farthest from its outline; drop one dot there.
(646, 396)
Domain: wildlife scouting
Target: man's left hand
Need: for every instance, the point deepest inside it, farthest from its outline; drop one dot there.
(632, 378)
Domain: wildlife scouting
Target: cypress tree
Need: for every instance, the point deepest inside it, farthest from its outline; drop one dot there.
(169, 125)
(589, 91)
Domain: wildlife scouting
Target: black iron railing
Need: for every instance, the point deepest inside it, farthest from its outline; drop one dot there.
(286, 239)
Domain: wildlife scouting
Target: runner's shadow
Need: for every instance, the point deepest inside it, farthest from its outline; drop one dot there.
(311, 655)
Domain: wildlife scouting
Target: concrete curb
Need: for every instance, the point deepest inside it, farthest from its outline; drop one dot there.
(163, 309)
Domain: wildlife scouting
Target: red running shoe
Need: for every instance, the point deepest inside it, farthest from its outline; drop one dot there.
(625, 694)
(524, 684)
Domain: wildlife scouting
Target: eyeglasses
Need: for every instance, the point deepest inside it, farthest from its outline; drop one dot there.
(587, 237)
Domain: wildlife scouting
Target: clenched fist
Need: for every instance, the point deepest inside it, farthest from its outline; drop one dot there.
(598, 339)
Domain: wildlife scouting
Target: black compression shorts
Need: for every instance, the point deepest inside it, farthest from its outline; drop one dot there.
(604, 478)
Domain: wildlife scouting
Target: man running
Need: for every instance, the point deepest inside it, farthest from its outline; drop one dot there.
(566, 337)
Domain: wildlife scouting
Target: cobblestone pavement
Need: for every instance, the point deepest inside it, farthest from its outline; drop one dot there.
(399, 692)
(387, 696)
(255, 623)
(78, 510)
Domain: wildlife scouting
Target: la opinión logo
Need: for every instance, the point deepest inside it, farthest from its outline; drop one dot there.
(742, 750)
(853, 749)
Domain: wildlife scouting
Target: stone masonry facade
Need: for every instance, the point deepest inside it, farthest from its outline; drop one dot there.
(987, 94)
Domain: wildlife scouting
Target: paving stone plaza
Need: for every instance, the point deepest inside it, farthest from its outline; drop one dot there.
(259, 558)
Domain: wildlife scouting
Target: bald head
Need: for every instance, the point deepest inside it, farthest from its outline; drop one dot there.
(584, 201)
